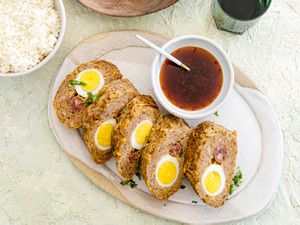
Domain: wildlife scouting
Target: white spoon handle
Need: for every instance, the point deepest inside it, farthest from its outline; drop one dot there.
(163, 52)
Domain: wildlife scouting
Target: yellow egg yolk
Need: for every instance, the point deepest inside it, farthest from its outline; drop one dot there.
(166, 173)
(142, 132)
(212, 182)
(104, 134)
(91, 78)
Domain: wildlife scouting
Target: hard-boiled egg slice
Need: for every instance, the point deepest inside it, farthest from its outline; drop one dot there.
(166, 172)
(103, 134)
(213, 180)
(140, 134)
(93, 79)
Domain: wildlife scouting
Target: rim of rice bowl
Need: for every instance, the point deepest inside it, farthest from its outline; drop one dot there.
(59, 6)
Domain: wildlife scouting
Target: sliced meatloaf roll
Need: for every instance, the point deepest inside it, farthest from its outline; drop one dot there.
(130, 134)
(85, 81)
(210, 162)
(99, 119)
(163, 156)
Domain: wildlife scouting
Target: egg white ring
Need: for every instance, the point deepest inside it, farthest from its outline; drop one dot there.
(133, 141)
(167, 158)
(101, 147)
(219, 170)
(82, 92)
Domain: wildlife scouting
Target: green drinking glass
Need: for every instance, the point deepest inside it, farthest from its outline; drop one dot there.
(237, 16)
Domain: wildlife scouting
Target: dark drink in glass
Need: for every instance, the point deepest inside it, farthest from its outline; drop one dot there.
(238, 15)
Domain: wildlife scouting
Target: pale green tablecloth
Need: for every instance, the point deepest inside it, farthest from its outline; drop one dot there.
(39, 184)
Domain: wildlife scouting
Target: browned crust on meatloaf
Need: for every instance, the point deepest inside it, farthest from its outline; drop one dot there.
(116, 95)
(204, 140)
(142, 107)
(167, 132)
(69, 106)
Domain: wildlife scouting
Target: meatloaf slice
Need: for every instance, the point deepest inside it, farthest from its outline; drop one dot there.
(69, 106)
(210, 144)
(139, 109)
(168, 139)
(115, 96)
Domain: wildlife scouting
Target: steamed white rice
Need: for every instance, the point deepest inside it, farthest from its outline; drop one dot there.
(29, 30)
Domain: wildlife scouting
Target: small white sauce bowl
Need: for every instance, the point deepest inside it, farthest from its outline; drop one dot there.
(217, 52)
(62, 15)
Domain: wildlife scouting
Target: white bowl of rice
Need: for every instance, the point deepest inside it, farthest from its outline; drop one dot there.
(31, 33)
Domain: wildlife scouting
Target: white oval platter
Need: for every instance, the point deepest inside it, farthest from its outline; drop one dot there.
(245, 110)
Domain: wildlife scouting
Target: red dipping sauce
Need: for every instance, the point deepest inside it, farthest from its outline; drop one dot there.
(195, 89)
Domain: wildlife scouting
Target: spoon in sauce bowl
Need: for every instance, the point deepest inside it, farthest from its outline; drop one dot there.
(163, 52)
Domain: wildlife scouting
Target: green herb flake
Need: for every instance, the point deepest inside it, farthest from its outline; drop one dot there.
(165, 204)
(87, 103)
(216, 113)
(138, 174)
(231, 189)
(76, 82)
(181, 153)
(236, 181)
(194, 201)
(91, 98)
(131, 183)
(124, 182)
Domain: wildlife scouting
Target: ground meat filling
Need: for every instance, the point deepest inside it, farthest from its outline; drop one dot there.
(175, 149)
(220, 154)
(76, 104)
(134, 156)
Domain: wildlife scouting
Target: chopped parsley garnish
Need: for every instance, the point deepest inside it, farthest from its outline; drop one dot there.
(216, 113)
(76, 82)
(131, 183)
(138, 174)
(91, 98)
(194, 201)
(236, 181)
(165, 204)
(124, 182)
(231, 189)
(87, 103)
(182, 187)
(181, 152)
